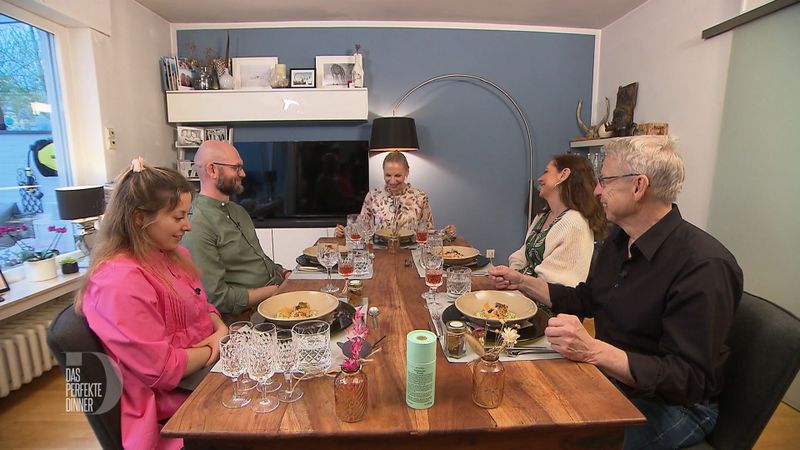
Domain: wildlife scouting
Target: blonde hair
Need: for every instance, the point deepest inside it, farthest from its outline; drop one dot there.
(140, 189)
(397, 158)
(656, 157)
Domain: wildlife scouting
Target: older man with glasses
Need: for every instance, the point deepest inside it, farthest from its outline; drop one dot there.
(663, 294)
(236, 273)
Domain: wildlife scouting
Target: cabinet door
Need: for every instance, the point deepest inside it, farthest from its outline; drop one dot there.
(265, 239)
(288, 243)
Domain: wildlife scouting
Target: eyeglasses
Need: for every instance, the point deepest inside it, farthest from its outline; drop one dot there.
(604, 180)
(237, 167)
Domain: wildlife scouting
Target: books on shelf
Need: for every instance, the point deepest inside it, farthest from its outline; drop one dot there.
(169, 73)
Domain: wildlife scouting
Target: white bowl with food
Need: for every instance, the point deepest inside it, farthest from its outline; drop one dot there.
(496, 307)
(289, 308)
(457, 254)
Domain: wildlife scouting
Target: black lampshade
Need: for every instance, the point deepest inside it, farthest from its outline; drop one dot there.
(393, 133)
(80, 202)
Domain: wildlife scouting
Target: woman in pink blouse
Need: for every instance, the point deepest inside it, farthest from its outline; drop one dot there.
(397, 204)
(145, 302)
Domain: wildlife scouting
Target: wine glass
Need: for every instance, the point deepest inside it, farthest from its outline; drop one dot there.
(233, 358)
(328, 255)
(286, 362)
(242, 330)
(422, 232)
(347, 265)
(353, 232)
(369, 225)
(261, 365)
(433, 262)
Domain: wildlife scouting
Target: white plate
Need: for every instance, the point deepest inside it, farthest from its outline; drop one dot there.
(472, 302)
(321, 303)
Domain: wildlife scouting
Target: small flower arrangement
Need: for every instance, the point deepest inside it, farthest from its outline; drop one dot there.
(28, 252)
(356, 336)
(506, 337)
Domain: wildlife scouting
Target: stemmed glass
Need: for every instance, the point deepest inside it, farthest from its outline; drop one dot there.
(233, 358)
(242, 330)
(353, 233)
(433, 262)
(328, 255)
(261, 365)
(422, 232)
(286, 362)
(369, 226)
(347, 265)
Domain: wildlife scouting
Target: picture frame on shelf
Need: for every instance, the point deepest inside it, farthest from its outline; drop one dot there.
(187, 169)
(189, 136)
(3, 283)
(335, 71)
(302, 78)
(184, 75)
(253, 73)
(216, 134)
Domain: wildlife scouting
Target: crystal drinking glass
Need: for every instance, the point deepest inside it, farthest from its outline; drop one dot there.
(261, 365)
(369, 226)
(346, 265)
(433, 262)
(354, 234)
(242, 330)
(328, 256)
(422, 232)
(458, 281)
(233, 357)
(312, 340)
(286, 362)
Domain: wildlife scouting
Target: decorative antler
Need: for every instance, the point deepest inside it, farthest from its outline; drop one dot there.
(591, 131)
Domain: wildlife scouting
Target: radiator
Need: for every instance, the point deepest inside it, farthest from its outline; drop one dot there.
(24, 354)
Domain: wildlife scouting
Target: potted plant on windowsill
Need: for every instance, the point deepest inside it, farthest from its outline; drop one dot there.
(69, 265)
(39, 265)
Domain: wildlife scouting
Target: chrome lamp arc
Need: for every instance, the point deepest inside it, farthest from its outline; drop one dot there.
(400, 133)
(82, 205)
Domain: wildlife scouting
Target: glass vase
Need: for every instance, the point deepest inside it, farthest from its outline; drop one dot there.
(488, 381)
(350, 395)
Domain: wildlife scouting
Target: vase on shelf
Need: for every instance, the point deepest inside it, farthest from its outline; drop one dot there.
(350, 395)
(41, 270)
(226, 80)
(278, 78)
(202, 79)
(488, 381)
(358, 71)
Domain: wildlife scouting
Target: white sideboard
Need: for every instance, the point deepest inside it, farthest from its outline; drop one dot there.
(284, 245)
(320, 104)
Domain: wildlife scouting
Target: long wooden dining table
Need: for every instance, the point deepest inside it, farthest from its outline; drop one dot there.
(547, 404)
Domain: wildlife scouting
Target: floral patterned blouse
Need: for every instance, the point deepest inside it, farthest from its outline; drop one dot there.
(402, 211)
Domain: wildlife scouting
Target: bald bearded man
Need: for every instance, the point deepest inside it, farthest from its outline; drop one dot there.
(236, 273)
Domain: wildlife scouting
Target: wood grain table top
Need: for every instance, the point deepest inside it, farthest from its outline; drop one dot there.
(539, 395)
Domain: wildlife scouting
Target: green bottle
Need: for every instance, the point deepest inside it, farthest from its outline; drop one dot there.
(420, 369)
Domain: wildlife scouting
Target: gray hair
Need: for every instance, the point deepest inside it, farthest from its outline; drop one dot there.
(656, 157)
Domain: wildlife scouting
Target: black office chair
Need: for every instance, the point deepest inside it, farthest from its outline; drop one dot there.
(765, 357)
(69, 333)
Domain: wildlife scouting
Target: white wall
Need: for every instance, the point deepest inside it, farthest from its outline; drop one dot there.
(681, 81)
(129, 84)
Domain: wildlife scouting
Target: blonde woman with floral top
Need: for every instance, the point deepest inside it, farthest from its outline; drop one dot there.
(397, 204)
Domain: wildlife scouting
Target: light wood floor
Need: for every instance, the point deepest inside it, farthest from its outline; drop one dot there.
(34, 418)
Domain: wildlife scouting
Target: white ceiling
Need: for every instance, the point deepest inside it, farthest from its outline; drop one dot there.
(594, 14)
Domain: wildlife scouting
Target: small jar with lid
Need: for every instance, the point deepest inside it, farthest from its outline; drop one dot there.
(354, 292)
(456, 340)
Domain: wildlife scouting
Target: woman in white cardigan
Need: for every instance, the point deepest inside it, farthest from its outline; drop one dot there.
(559, 243)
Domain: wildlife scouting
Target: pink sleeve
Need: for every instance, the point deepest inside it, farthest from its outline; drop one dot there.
(121, 306)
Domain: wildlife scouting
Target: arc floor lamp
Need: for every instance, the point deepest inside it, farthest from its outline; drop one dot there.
(400, 133)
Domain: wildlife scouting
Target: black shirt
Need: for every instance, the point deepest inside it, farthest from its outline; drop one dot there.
(669, 307)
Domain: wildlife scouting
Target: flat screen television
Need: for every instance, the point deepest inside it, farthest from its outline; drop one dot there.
(316, 182)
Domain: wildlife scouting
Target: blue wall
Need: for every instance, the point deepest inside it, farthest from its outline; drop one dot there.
(473, 160)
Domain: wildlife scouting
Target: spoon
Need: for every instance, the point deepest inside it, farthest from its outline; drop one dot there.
(373, 311)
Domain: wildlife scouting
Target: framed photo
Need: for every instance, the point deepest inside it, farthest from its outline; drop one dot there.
(190, 137)
(335, 71)
(253, 73)
(216, 133)
(302, 78)
(3, 284)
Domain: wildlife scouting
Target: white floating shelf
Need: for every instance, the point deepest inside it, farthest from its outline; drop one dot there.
(267, 105)
(590, 143)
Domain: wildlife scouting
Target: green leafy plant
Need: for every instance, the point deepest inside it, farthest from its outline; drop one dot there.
(68, 260)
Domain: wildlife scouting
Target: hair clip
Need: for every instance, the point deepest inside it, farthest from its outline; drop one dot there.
(137, 164)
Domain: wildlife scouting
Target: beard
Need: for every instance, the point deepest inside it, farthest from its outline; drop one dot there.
(229, 186)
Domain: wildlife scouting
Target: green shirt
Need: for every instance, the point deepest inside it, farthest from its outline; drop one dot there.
(225, 247)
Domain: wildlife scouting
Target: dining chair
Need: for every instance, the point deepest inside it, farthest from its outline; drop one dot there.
(70, 333)
(764, 359)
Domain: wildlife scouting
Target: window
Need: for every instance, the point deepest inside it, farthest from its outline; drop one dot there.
(33, 158)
